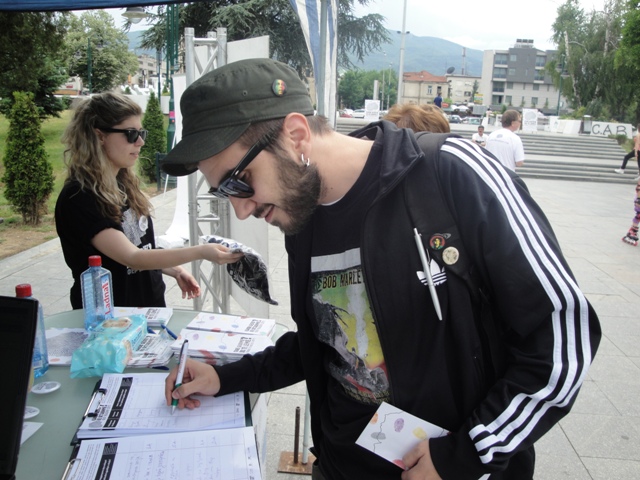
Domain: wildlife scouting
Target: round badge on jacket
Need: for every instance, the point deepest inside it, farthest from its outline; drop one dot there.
(450, 255)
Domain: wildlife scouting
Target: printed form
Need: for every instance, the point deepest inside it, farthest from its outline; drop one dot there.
(229, 454)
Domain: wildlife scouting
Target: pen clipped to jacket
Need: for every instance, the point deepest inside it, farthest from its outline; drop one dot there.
(427, 273)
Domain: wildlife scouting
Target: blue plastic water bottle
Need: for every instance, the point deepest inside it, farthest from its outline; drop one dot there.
(97, 293)
(40, 359)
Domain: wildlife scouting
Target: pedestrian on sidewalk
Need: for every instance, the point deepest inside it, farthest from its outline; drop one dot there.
(632, 153)
(632, 235)
(505, 145)
(381, 316)
(102, 211)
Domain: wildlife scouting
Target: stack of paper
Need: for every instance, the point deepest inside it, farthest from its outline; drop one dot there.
(219, 348)
(156, 316)
(214, 454)
(134, 404)
(217, 322)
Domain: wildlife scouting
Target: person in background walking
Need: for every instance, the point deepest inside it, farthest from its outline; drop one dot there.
(505, 145)
(437, 101)
(632, 235)
(632, 153)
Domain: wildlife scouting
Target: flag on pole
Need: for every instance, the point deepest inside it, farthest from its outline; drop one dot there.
(319, 22)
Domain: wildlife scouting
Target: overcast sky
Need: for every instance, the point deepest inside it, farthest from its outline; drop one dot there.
(489, 25)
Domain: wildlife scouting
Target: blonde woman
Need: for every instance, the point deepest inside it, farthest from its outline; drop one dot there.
(102, 211)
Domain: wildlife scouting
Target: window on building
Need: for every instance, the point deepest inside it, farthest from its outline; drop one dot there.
(499, 72)
(541, 61)
(467, 94)
(513, 57)
(430, 90)
(496, 99)
(539, 75)
(512, 72)
(507, 100)
(536, 86)
(509, 85)
(524, 86)
(500, 59)
(534, 101)
(498, 87)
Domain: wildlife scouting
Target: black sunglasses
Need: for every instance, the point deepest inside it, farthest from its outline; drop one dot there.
(232, 186)
(131, 133)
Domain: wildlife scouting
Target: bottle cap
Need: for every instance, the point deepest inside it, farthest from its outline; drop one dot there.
(23, 290)
(95, 261)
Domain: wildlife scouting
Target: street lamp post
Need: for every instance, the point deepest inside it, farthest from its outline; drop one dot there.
(89, 61)
(173, 22)
(563, 75)
(401, 69)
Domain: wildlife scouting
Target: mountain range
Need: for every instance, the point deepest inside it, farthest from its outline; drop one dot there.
(435, 55)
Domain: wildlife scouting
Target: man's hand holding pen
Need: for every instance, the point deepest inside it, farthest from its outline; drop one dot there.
(198, 379)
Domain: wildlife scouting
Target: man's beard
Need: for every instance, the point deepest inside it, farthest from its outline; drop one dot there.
(301, 187)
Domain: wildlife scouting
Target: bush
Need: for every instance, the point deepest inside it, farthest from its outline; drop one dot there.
(28, 175)
(156, 141)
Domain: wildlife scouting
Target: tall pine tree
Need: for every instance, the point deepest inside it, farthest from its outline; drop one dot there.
(28, 175)
(156, 141)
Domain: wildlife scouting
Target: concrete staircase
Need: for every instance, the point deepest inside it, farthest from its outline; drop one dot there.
(554, 156)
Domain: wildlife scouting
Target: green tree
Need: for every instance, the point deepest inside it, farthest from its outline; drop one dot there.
(587, 44)
(628, 55)
(351, 89)
(156, 141)
(356, 86)
(28, 175)
(93, 36)
(30, 58)
(276, 18)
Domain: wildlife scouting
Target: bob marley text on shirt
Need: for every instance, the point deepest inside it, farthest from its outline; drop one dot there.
(346, 324)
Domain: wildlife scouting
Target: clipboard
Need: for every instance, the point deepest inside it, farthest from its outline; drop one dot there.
(97, 394)
(232, 452)
(131, 404)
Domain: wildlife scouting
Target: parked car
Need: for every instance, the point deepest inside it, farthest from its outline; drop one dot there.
(359, 113)
(345, 114)
(475, 120)
(455, 119)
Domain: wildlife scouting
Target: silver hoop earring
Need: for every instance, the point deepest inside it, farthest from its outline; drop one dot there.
(304, 162)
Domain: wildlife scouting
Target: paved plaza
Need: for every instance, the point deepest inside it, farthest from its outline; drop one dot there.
(599, 439)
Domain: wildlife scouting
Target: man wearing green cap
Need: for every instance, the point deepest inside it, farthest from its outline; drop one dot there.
(383, 311)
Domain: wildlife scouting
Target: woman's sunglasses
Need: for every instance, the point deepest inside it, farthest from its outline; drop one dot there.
(131, 133)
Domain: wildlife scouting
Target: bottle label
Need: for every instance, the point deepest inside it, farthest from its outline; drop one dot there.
(106, 296)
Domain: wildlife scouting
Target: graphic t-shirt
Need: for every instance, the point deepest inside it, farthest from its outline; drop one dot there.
(341, 306)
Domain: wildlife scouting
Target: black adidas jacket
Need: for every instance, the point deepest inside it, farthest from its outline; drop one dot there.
(441, 370)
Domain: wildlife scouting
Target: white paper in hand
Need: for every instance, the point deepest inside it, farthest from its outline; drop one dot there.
(392, 433)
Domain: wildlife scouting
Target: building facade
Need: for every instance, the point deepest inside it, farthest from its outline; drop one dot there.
(147, 74)
(516, 77)
(422, 87)
(460, 88)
